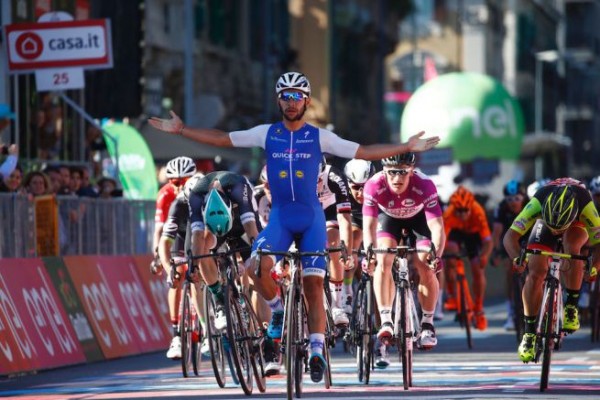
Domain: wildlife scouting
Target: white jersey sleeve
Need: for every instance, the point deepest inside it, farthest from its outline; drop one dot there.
(254, 137)
(333, 144)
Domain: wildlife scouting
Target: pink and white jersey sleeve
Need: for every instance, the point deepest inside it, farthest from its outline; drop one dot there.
(421, 195)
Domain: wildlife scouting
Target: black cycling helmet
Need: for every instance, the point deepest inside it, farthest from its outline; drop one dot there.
(560, 208)
(399, 159)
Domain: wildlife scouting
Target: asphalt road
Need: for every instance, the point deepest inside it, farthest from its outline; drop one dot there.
(490, 370)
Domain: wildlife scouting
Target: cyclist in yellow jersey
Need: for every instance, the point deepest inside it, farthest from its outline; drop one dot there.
(561, 209)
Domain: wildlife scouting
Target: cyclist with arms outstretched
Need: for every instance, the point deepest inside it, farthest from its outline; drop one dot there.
(401, 199)
(563, 209)
(294, 151)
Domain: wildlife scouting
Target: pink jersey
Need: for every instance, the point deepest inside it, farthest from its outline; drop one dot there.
(420, 194)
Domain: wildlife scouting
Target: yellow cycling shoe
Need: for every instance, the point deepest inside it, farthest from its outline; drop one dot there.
(570, 319)
(526, 349)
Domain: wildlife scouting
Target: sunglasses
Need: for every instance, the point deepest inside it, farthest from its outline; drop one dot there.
(397, 172)
(178, 182)
(514, 198)
(357, 187)
(292, 96)
(462, 210)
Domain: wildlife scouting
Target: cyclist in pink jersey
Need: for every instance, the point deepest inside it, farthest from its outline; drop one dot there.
(396, 199)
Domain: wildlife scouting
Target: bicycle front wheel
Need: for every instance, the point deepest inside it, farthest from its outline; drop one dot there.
(405, 336)
(238, 340)
(465, 313)
(257, 339)
(185, 329)
(548, 313)
(215, 340)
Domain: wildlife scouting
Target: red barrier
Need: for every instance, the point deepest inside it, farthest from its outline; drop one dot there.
(124, 319)
(35, 332)
(157, 289)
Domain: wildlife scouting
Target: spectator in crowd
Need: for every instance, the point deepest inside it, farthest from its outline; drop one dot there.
(55, 179)
(65, 175)
(10, 177)
(86, 189)
(36, 183)
(108, 188)
(12, 183)
(49, 125)
(75, 180)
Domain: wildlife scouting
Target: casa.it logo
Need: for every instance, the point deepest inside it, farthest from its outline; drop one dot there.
(29, 45)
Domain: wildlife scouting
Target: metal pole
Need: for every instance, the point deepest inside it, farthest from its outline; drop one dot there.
(538, 95)
(89, 119)
(188, 52)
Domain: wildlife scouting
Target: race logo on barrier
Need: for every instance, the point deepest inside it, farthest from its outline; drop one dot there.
(35, 332)
(158, 289)
(123, 318)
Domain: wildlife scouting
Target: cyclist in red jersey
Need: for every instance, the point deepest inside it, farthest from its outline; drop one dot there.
(179, 170)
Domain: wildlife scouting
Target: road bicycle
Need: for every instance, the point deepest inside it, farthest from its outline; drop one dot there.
(595, 311)
(189, 320)
(407, 328)
(244, 335)
(549, 323)
(464, 304)
(360, 336)
(295, 340)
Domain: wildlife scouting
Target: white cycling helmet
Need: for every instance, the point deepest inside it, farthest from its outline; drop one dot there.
(189, 185)
(180, 167)
(595, 185)
(359, 171)
(535, 186)
(293, 80)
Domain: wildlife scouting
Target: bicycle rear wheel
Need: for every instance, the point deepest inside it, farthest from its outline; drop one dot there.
(548, 334)
(405, 336)
(367, 331)
(466, 314)
(215, 340)
(238, 340)
(185, 329)
(595, 311)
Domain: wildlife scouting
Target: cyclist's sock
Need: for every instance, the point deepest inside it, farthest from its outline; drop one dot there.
(317, 341)
(275, 304)
(427, 317)
(175, 330)
(336, 293)
(386, 314)
(217, 290)
(529, 324)
(478, 304)
(572, 298)
(348, 287)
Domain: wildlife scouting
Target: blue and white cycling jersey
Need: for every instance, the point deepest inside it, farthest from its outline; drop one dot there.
(293, 166)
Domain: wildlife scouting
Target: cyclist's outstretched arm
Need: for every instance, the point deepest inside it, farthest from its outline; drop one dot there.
(379, 151)
(175, 125)
(369, 231)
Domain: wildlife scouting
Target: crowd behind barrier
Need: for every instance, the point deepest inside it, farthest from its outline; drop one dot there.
(55, 225)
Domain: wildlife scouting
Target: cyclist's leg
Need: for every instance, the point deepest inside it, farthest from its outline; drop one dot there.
(428, 295)
(534, 286)
(573, 241)
(274, 237)
(349, 274)
(452, 247)
(384, 287)
(312, 240)
(473, 245)
(336, 274)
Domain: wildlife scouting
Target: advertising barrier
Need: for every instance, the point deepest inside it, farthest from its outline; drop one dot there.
(63, 311)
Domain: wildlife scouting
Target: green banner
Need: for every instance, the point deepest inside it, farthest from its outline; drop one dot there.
(136, 164)
(472, 113)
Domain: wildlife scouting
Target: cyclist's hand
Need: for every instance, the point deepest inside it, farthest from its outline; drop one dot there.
(518, 268)
(592, 275)
(348, 264)
(435, 264)
(156, 266)
(173, 125)
(368, 267)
